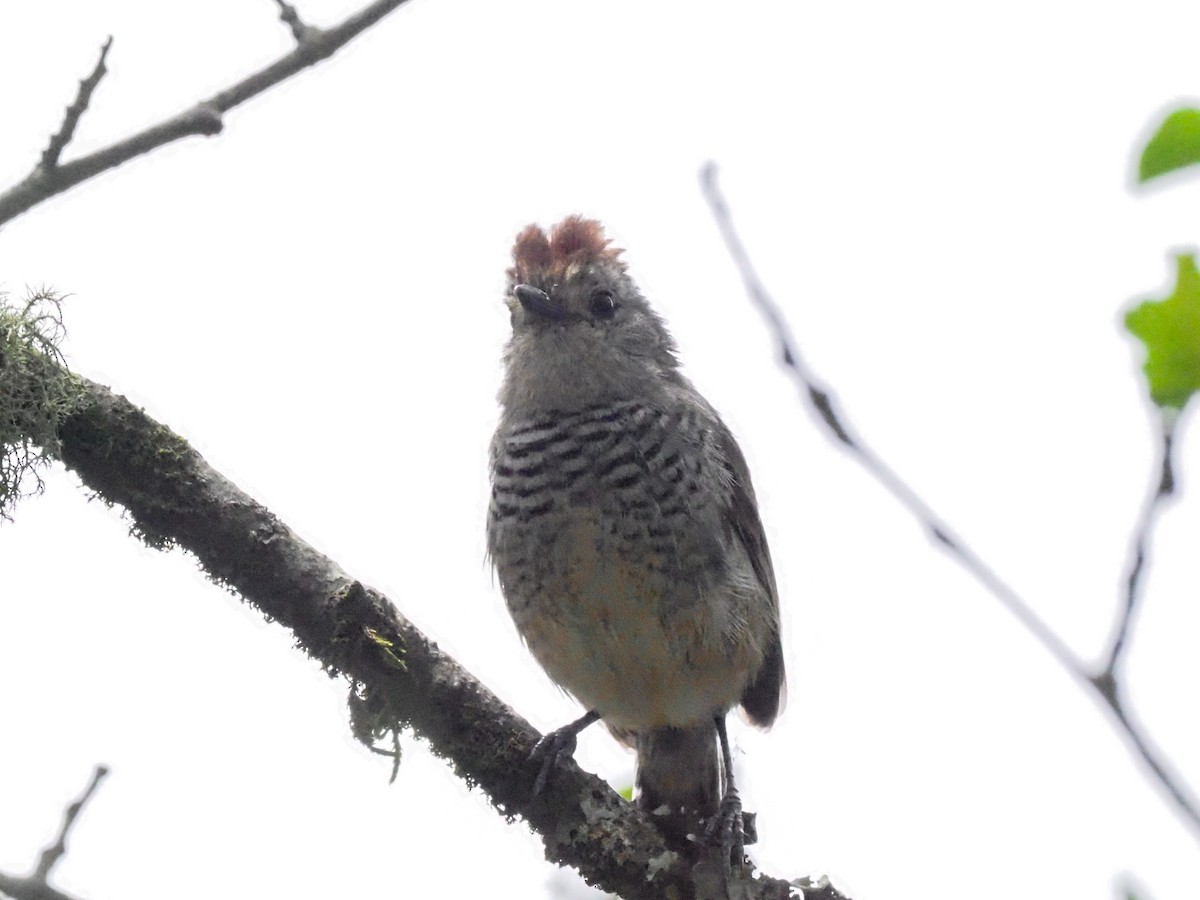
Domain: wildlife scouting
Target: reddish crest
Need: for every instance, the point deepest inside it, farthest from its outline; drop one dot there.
(573, 240)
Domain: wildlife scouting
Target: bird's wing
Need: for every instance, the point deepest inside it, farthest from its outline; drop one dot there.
(763, 698)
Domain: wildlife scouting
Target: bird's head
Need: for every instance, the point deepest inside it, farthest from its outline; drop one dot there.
(581, 331)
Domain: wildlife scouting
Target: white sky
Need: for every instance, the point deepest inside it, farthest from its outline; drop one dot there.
(937, 193)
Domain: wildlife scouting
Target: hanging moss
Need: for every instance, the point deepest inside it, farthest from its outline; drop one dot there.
(36, 392)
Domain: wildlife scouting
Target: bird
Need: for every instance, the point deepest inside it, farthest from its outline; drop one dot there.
(625, 534)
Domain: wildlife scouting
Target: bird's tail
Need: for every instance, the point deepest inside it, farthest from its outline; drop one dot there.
(679, 778)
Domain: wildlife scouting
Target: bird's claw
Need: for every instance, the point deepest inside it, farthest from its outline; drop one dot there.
(749, 828)
(550, 749)
(727, 831)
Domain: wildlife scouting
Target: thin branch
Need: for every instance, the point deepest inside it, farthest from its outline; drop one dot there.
(1162, 490)
(37, 885)
(1169, 779)
(205, 118)
(29, 889)
(301, 31)
(75, 111)
(826, 407)
(52, 854)
(399, 678)
(1104, 687)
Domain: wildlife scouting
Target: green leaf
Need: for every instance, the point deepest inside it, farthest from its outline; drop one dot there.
(1175, 145)
(1170, 329)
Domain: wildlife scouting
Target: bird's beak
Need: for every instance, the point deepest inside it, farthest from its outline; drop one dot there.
(539, 303)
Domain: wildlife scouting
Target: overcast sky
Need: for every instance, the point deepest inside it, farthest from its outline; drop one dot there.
(939, 196)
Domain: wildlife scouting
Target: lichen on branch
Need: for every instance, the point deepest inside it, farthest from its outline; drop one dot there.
(36, 392)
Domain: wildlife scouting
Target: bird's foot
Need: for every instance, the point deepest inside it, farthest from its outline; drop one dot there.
(749, 828)
(727, 831)
(549, 749)
(556, 745)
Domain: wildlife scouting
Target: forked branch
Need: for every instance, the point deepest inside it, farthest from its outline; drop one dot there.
(50, 176)
(37, 886)
(1103, 685)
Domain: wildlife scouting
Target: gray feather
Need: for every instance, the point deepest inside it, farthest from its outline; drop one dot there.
(763, 697)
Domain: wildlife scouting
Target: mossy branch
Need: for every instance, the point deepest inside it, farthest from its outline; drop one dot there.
(399, 678)
(36, 392)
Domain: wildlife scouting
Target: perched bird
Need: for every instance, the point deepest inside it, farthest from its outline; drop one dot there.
(625, 532)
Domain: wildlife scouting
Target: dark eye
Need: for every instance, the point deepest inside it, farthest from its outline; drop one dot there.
(603, 304)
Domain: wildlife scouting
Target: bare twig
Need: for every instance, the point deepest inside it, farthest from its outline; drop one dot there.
(399, 677)
(29, 889)
(1163, 489)
(52, 854)
(1104, 686)
(204, 118)
(1168, 778)
(75, 111)
(826, 407)
(37, 886)
(301, 31)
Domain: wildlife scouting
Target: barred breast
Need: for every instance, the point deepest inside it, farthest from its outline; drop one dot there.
(606, 532)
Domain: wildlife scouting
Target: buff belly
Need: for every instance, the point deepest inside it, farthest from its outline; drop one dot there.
(635, 637)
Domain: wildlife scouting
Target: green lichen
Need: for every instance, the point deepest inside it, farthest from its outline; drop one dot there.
(36, 392)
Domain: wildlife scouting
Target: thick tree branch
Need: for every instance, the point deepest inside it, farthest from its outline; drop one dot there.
(37, 886)
(1104, 686)
(400, 678)
(50, 177)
